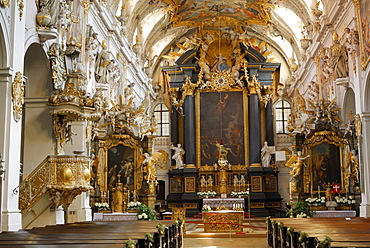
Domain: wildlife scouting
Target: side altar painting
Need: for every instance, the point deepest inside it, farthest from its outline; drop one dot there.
(221, 122)
(326, 157)
(120, 166)
(326, 165)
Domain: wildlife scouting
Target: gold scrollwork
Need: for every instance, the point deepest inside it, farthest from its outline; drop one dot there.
(17, 96)
(62, 177)
(4, 3)
(20, 8)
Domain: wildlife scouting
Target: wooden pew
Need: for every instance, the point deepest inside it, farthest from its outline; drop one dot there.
(95, 234)
(344, 233)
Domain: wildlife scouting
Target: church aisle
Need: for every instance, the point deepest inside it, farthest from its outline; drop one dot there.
(195, 236)
(225, 242)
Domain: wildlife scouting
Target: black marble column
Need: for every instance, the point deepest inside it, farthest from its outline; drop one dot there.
(269, 120)
(174, 130)
(254, 123)
(189, 129)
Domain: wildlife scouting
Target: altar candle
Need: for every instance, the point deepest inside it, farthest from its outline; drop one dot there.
(26, 177)
(319, 190)
(290, 191)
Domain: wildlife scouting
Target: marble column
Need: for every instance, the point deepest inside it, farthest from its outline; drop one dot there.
(189, 130)
(10, 143)
(365, 168)
(254, 123)
(174, 130)
(269, 121)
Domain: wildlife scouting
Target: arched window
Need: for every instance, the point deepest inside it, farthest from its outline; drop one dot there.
(282, 112)
(162, 117)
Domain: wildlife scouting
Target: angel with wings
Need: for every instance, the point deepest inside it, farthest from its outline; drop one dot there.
(296, 164)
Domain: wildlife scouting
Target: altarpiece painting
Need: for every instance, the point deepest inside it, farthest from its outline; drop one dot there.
(221, 120)
(326, 164)
(120, 166)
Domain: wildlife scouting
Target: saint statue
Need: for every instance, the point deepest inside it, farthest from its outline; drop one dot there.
(178, 156)
(101, 66)
(339, 57)
(265, 155)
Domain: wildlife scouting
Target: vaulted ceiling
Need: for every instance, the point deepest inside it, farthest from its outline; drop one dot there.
(168, 28)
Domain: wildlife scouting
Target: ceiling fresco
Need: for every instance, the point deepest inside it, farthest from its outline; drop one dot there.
(273, 27)
(195, 12)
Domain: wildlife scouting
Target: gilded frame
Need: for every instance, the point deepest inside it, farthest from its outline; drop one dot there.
(324, 138)
(362, 13)
(189, 184)
(176, 185)
(102, 171)
(198, 125)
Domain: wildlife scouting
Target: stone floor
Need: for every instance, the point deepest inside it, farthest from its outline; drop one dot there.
(253, 236)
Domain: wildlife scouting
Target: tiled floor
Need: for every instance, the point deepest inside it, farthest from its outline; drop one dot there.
(196, 238)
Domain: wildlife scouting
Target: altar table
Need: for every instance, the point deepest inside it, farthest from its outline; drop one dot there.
(228, 203)
(223, 221)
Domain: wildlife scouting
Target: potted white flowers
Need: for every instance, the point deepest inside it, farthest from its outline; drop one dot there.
(102, 206)
(239, 194)
(206, 208)
(315, 201)
(207, 194)
(344, 203)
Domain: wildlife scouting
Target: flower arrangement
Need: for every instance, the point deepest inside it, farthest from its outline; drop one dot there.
(145, 212)
(239, 194)
(344, 201)
(300, 209)
(315, 201)
(302, 215)
(207, 194)
(101, 205)
(206, 208)
(133, 205)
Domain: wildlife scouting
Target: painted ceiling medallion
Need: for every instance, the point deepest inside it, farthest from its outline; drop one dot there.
(202, 13)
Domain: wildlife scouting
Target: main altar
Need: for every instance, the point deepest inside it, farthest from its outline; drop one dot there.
(225, 116)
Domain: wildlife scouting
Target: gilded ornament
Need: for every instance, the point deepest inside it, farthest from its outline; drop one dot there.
(87, 174)
(358, 125)
(4, 3)
(20, 8)
(57, 176)
(66, 174)
(17, 96)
